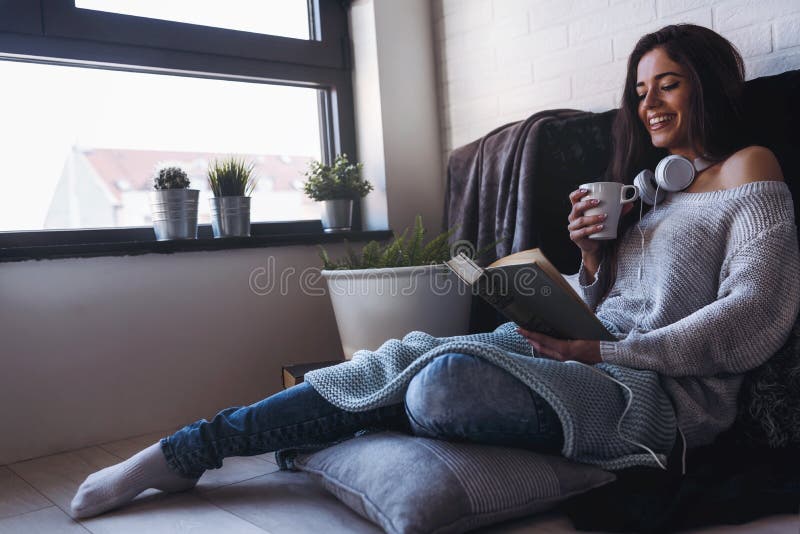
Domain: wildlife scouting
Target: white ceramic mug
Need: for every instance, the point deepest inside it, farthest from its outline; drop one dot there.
(612, 195)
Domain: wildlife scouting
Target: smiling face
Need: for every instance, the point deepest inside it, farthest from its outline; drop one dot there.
(664, 94)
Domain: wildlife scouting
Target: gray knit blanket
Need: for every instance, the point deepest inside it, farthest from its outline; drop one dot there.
(589, 405)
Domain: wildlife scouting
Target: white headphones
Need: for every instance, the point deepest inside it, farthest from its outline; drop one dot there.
(673, 173)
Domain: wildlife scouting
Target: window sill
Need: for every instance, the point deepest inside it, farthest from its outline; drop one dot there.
(60, 244)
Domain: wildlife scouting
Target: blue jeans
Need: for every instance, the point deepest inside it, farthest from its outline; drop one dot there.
(456, 397)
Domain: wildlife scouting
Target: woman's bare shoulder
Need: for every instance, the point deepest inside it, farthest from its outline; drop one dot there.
(750, 164)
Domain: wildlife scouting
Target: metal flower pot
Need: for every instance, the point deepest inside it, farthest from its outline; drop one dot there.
(337, 215)
(230, 216)
(174, 213)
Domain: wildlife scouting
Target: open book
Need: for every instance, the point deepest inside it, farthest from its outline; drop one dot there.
(527, 289)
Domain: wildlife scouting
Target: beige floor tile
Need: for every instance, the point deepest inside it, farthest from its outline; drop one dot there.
(17, 496)
(233, 470)
(125, 448)
(169, 514)
(58, 476)
(50, 520)
(289, 503)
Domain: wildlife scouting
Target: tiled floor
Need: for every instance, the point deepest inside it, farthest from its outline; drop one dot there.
(248, 495)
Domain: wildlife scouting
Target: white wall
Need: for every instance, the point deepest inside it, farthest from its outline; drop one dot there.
(502, 60)
(99, 349)
(397, 122)
(94, 350)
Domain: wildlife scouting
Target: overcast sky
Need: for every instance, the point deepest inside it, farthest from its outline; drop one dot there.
(48, 109)
(288, 18)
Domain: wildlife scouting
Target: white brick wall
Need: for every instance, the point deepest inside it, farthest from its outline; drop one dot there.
(502, 60)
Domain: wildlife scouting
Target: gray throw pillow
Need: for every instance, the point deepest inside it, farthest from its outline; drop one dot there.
(409, 484)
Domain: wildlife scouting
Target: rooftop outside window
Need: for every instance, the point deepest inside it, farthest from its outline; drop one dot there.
(80, 145)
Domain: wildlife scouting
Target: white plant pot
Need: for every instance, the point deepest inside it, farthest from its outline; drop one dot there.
(374, 305)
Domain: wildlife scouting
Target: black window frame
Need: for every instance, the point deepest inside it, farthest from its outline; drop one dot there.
(56, 32)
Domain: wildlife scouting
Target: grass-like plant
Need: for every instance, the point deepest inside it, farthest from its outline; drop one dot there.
(231, 177)
(342, 180)
(170, 178)
(402, 251)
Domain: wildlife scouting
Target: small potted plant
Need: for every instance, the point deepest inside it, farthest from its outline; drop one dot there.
(337, 186)
(232, 182)
(390, 289)
(173, 206)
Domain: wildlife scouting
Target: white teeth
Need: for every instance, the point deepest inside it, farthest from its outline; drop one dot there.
(660, 119)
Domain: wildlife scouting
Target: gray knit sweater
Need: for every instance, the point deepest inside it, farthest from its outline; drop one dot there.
(731, 314)
(719, 292)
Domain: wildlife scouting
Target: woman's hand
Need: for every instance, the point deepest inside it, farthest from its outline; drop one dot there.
(581, 350)
(582, 226)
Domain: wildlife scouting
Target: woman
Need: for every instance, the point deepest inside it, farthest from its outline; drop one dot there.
(688, 286)
(705, 288)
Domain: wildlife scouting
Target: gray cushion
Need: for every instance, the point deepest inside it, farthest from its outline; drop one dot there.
(408, 484)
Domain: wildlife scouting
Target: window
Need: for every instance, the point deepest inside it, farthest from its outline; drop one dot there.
(287, 18)
(108, 130)
(104, 90)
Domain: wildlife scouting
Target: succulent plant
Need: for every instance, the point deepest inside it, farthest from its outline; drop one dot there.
(342, 180)
(171, 178)
(231, 177)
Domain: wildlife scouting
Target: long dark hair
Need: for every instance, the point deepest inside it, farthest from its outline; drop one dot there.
(716, 75)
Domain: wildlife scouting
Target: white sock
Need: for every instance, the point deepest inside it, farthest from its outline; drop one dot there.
(119, 484)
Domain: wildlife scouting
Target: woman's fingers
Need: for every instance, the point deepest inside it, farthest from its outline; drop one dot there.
(526, 333)
(585, 231)
(544, 344)
(578, 193)
(580, 226)
(548, 343)
(580, 207)
(584, 205)
(586, 220)
(550, 353)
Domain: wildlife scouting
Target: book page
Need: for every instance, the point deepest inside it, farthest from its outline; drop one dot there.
(465, 268)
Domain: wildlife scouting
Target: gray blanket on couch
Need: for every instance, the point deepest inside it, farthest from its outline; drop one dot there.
(512, 185)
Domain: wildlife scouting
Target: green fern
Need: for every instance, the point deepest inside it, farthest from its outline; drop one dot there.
(327, 263)
(438, 249)
(392, 255)
(371, 253)
(400, 251)
(415, 245)
(353, 261)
